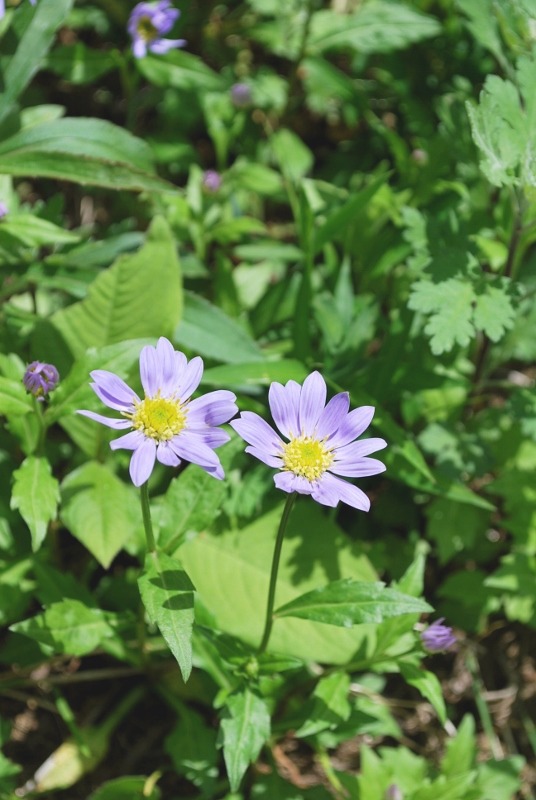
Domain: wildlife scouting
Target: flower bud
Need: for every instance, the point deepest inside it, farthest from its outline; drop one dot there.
(40, 379)
(438, 637)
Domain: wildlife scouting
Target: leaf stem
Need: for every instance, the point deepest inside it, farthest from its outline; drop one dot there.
(146, 512)
(273, 576)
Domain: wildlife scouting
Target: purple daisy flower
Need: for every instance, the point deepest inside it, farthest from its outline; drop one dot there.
(438, 637)
(40, 379)
(147, 25)
(321, 442)
(167, 424)
(211, 180)
(3, 208)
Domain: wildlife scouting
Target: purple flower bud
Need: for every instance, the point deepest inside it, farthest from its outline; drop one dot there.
(241, 95)
(211, 180)
(40, 379)
(147, 24)
(393, 792)
(438, 637)
(3, 210)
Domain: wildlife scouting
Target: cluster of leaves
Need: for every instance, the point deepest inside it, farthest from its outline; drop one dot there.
(374, 221)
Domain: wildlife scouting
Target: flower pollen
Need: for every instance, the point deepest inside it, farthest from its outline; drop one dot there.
(307, 457)
(145, 29)
(160, 418)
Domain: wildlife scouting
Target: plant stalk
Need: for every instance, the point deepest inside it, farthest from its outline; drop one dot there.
(146, 512)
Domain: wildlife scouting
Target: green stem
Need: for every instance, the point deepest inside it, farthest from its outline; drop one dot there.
(273, 576)
(146, 512)
(42, 429)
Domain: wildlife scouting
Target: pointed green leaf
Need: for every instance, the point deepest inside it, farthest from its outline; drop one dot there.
(99, 510)
(246, 727)
(428, 685)
(36, 495)
(168, 596)
(140, 295)
(347, 602)
(13, 398)
(330, 704)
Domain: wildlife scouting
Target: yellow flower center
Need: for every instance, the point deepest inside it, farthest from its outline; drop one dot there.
(307, 457)
(146, 29)
(159, 417)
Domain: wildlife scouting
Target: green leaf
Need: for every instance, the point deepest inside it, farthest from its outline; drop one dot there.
(68, 627)
(348, 602)
(192, 748)
(428, 685)
(378, 27)
(258, 373)
(140, 295)
(450, 305)
(168, 596)
(208, 330)
(179, 70)
(99, 510)
(80, 64)
(330, 705)
(293, 156)
(33, 231)
(13, 398)
(129, 788)
(32, 48)
(245, 727)
(494, 312)
(337, 224)
(483, 25)
(36, 495)
(461, 751)
(84, 150)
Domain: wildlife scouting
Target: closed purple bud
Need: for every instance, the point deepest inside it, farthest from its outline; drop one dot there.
(438, 637)
(40, 379)
(393, 792)
(241, 95)
(3, 210)
(211, 180)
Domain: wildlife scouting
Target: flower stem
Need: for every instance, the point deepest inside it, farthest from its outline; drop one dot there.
(273, 576)
(146, 512)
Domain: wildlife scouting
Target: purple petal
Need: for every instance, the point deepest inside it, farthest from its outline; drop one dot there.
(266, 458)
(353, 426)
(358, 469)
(213, 437)
(130, 441)
(142, 461)
(190, 379)
(355, 450)
(257, 432)
(312, 402)
(289, 482)
(213, 408)
(139, 48)
(149, 372)
(161, 46)
(192, 448)
(216, 472)
(166, 456)
(118, 424)
(112, 390)
(329, 490)
(284, 404)
(165, 356)
(333, 415)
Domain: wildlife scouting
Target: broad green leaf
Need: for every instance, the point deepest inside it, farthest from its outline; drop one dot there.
(258, 373)
(210, 332)
(168, 596)
(428, 685)
(293, 156)
(245, 727)
(330, 704)
(79, 64)
(140, 295)
(16, 590)
(483, 24)
(36, 495)
(494, 312)
(99, 510)
(461, 750)
(88, 151)
(348, 602)
(32, 49)
(339, 222)
(501, 778)
(231, 570)
(68, 627)
(179, 70)
(14, 400)
(192, 748)
(129, 788)
(33, 231)
(378, 27)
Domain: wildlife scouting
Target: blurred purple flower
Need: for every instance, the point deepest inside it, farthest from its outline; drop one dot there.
(40, 379)
(437, 637)
(3, 208)
(241, 95)
(147, 25)
(321, 442)
(211, 180)
(167, 424)
(393, 792)
(3, 7)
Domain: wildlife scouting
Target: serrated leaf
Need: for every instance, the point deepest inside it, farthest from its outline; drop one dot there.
(246, 727)
(168, 596)
(494, 312)
(36, 496)
(140, 295)
(348, 602)
(68, 627)
(450, 305)
(428, 685)
(98, 510)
